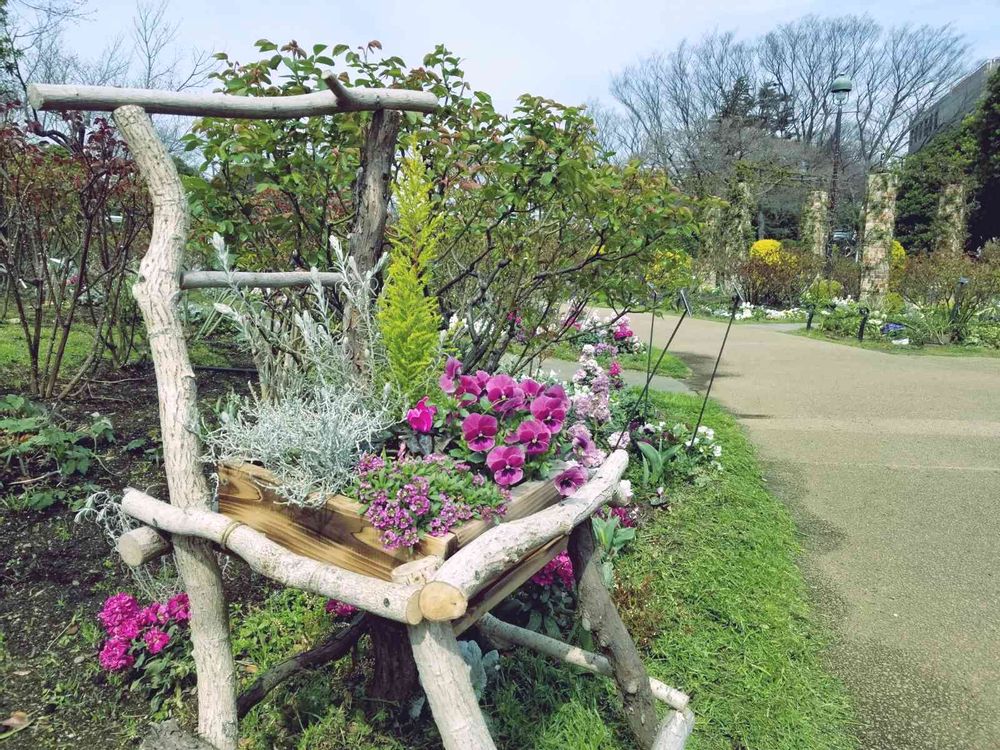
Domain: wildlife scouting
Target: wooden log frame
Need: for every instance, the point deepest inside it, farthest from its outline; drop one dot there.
(385, 599)
(257, 280)
(156, 292)
(49, 97)
(471, 569)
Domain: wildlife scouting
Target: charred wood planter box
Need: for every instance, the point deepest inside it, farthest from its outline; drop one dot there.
(338, 533)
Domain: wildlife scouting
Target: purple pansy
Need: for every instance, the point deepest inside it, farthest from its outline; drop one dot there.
(570, 480)
(479, 431)
(507, 464)
(533, 436)
(550, 411)
(452, 369)
(421, 416)
(504, 393)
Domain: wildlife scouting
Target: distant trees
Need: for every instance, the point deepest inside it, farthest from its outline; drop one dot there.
(705, 107)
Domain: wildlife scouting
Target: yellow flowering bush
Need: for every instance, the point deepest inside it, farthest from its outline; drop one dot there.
(768, 251)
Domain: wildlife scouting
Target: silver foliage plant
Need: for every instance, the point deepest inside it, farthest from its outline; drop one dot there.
(314, 413)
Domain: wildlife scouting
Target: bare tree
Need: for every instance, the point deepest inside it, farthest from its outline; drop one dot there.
(699, 109)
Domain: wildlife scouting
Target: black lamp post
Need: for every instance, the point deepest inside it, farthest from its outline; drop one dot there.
(841, 89)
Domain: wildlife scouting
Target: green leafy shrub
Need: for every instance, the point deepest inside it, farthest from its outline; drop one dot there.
(44, 459)
(823, 291)
(408, 315)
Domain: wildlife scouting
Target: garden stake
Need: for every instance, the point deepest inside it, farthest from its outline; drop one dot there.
(649, 373)
(865, 312)
(809, 320)
(708, 391)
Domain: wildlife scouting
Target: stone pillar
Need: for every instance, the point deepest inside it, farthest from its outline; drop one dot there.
(814, 229)
(736, 229)
(711, 242)
(949, 224)
(876, 249)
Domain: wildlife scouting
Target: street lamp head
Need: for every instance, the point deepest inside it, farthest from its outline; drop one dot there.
(841, 89)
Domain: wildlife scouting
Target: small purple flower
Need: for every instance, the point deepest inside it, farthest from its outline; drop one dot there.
(479, 431)
(421, 416)
(533, 436)
(504, 393)
(572, 479)
(507, 464)
(452, 369)
(156, 640)
(559, 568)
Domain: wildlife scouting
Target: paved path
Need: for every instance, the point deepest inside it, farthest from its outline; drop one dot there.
(891, 466)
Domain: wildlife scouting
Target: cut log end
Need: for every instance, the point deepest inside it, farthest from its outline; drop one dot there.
(413, 613)
(441, 601)
(142, 545)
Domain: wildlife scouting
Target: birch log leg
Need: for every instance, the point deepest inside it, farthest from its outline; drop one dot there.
(156, 292)
(371, 201)
(446, 681)
(601, 617)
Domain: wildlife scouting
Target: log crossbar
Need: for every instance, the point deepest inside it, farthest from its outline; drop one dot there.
(257, 280)
(59, 97)
(390, 600)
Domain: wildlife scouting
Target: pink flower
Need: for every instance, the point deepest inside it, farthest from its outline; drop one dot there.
(452, 369)
(507, 464)
(118, 609)
(128, 630)
(479, 431)
(572, 479)
(550, 411)
(421, 416)
(504, 393)
(179, 608)
(533, 436)
(115, 655)
(615, 368)
(339, 609)
(156, 640)
(154, 614)
(558, 568)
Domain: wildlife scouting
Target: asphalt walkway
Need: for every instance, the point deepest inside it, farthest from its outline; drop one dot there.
(891, 467)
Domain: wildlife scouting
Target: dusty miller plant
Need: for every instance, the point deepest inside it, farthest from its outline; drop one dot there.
(314, 412)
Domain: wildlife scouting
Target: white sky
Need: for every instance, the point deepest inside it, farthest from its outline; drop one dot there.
(563, 50)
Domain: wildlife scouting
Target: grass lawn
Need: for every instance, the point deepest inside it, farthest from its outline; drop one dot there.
(712, 594)
(14, 359)
(932, 350)
(671, 366)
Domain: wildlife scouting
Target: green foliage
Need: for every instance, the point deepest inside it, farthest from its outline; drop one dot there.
(984, 131)
(823, 291)
(611, 538)
(408, 316)
(45, 454)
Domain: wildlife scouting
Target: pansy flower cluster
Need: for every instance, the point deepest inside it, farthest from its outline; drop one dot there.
(410, 495)
(513, 427)
(133, 630)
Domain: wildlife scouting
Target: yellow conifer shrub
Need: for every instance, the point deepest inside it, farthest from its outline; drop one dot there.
(408, 316)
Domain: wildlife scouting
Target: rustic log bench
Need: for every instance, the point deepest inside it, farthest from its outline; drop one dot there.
(433, 596)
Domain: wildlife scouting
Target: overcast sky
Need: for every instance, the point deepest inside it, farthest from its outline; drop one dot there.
(563, 50)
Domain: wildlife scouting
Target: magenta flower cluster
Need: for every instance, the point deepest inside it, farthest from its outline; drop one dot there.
(132, 629)
(559, 568)
(407, 496)
(340, 610)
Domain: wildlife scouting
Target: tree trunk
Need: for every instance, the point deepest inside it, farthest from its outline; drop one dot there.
(395, 677)
(600, 617)
(371, 209)
(157, 292)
